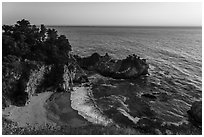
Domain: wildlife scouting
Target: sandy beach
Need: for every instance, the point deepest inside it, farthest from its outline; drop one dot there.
(46, 108)
(32, 114)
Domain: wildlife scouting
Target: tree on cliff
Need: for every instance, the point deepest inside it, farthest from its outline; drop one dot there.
(27, 41)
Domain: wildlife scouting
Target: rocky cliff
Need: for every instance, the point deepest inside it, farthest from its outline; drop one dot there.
(129, 68)
(24, 78)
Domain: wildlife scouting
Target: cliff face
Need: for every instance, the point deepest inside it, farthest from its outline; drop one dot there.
(73, 74)
(35, 79)
(66, 78)
(22, 79)
(10, 78)
(15, 76)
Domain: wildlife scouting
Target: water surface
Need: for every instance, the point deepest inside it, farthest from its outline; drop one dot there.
(175, 59)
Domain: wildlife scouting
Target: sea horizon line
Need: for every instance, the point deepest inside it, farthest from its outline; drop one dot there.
(124, 26)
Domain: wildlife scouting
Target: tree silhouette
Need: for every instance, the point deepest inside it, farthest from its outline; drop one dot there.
(30, 42)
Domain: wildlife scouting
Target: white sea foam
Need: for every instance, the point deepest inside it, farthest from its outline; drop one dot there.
(81, 101)
(123, 109)
(133, 119)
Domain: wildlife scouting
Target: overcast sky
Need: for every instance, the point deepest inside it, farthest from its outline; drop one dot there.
(136, 14)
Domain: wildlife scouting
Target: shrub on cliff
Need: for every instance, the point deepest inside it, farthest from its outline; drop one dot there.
(30, 42)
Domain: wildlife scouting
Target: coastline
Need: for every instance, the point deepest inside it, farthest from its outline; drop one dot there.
(73, 109)
(150, 91)
(82, 102)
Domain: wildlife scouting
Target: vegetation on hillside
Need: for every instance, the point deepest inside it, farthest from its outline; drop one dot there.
(27, 41)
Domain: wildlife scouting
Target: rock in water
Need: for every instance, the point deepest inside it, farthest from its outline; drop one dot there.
(131, 67)
(196, 112)
(149, 96)
(88, 62)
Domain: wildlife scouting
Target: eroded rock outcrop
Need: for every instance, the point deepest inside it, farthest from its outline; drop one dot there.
(131, 67)
(73, 73)
(78, 74)
(195, 112)
(35, 79)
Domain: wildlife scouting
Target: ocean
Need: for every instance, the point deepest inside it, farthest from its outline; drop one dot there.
(174, 55)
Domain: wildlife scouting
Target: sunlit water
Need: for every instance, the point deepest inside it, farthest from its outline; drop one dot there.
(175, 58)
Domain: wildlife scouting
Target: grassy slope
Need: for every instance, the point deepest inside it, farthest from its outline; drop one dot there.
(10, 128)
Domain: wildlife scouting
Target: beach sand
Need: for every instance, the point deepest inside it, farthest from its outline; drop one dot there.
(32, 114)
(46, 108)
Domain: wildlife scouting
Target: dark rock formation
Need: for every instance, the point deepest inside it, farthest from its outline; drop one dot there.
(149, 96)
(15, 75)
(129, 68)
(149, 125)
(139, 108)
(195, 113)
(88, 62)
(79, 74)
